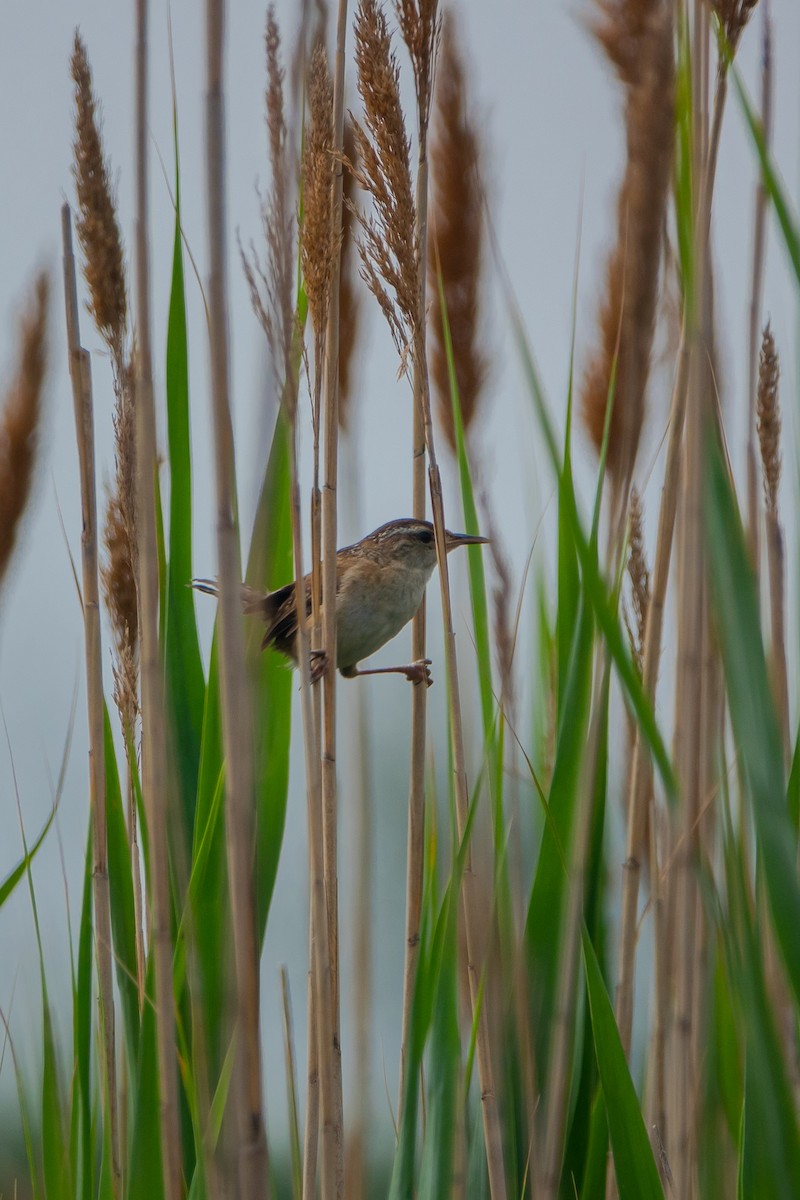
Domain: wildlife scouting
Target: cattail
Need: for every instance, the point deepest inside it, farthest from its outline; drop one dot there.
(19, 421)
(455, 245)
(97, 225)
(349, 298)
(637, 38)
(769, 419)
(387, 242)
(639, 574)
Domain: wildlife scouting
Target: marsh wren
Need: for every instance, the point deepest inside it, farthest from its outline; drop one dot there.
(380, 582)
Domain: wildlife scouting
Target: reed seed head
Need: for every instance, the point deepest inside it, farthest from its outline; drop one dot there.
(387, 243)
(769, 419)
(271, 283)
(733, 15)
(349, 297)
(456, 237)
(19, 420)
(419, 28)
(637, 38)
(97, 225)
(639, 574)
(318, 249)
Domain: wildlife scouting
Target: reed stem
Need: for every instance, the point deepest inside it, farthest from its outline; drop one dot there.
(81, 379)
(254, 1179)
(154, 754)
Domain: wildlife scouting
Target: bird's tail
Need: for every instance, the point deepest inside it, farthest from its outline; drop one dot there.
(255, 603)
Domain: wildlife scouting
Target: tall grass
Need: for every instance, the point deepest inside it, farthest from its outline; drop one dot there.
(518, 1077)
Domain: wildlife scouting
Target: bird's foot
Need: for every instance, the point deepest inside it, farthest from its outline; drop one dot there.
(419, 672)
(318, 664)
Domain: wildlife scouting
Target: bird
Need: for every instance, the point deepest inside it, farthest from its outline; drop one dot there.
(380, 582)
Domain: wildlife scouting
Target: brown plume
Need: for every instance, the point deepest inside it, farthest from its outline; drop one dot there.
(97, 225)
(637, 38)
(769, 419)
(455, 244)
(387, 243)
(19, 420)
(349, 297)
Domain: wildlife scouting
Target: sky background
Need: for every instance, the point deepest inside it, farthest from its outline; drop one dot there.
(549, 109)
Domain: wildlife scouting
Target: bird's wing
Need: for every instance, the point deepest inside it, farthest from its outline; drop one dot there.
(280, 614)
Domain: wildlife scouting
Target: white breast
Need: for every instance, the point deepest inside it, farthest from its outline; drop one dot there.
(372, 608)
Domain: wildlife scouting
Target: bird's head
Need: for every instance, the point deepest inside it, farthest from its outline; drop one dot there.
(413, 542)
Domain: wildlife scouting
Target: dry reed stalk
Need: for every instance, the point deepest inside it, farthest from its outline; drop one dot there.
(329, 552)
(105, 274)
(691, 692)
(291, 1070)
(640, 791)
(769, 436)
(253, 1164)
(389, 265)
(637, 38)
(19, 420)
(81, 379)
(392, 247)
(456, 246)
(756, 291)
(276, 314)
(311, 1128)
(155, 789)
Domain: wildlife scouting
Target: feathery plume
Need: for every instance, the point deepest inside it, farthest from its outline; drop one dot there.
(97, 225)
(387, 243)
(419, 28)
(769, 419)
(637, 38)
(733, 15)
(271, 284)
(455, 245)
(349, 298)
(639, 574)
(19, 421)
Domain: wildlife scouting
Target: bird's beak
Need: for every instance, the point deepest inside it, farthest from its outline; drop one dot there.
(453, 540)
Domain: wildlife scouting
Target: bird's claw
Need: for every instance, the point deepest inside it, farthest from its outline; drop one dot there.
(318, 664)
(419, 672)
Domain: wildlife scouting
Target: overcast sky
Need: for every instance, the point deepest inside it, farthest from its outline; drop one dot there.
(550, 111)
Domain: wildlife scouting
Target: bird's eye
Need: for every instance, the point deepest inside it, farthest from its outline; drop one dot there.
(425, 536)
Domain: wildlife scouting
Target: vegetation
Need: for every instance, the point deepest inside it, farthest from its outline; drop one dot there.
(522, 969)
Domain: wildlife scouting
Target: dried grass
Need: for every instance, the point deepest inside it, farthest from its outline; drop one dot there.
(639, 574)
(456, 243)
(317, 250)
(637, 38)
(19, 422)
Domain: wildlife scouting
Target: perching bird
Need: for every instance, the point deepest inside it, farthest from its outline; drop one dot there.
(380, 582)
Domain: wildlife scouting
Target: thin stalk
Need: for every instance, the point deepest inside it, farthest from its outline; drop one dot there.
(311, 1131)
(329, 553)
(776, 561)
(321, 962)
(254, 1179)
(640, 795)
(291, 1079)
(756, 293)
(154, 754)
(136, 870)
(415, 849)
(81, 379)
(361, 911)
